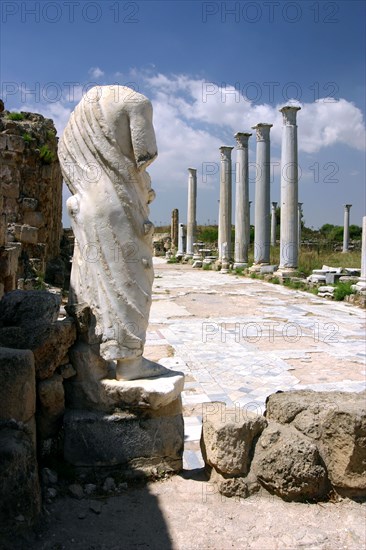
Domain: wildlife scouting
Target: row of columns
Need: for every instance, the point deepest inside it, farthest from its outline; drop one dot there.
(265, 217)
(265, 229)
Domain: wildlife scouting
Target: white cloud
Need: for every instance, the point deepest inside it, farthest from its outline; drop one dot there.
(223, 109)
(96, 72)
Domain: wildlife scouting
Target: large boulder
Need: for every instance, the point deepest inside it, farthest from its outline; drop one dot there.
(20, 495)
(228, 436)
(20, 307)
(336, 421)
(288, 464)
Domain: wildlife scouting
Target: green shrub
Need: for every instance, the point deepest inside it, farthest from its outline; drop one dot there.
(275, 280)
(16, 116)
(27, 137)
(46, 155)
(342, 290)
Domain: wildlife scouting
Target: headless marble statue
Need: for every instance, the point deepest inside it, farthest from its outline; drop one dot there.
(106, 147)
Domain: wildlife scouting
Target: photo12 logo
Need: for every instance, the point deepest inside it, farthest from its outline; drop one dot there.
(69, 12)
(270, 12)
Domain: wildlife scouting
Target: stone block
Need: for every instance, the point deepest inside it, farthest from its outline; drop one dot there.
(2, 142)
(343, 447)
(134, 441)
(52, 406)
(28, 234)
(15, 143)
(332, 278)
(10, 189)
(29, 204)
(26, 322)
(35, 219)
(17, 385)
(289, 465)
(268, 269)
(20, 493)
(3, 226)
(9, 260)
(228, 437)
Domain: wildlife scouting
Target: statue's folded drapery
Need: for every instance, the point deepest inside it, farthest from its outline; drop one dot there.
(104, 151)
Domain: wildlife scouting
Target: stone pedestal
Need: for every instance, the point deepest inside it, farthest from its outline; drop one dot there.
(191, 211)
(132, 425)
(289, 194)
(242, 226)
(273, 224)
(133, 441)
(225, 208)
(347, 208)
(262, 197)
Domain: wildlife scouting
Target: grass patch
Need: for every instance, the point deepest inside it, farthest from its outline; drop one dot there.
(27, 138)
(15, 116)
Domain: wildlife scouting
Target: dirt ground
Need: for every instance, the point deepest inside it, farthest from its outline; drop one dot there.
(185, 513)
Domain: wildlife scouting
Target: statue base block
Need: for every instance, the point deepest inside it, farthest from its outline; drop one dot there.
(135, 442)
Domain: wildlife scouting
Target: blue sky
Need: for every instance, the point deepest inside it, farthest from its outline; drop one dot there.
(211, 69)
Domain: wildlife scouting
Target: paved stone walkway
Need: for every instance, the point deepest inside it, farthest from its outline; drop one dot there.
(238, 340)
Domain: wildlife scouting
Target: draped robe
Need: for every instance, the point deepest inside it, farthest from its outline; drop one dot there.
(104, 151)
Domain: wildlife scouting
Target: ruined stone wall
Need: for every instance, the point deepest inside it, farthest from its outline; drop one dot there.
(31, 189)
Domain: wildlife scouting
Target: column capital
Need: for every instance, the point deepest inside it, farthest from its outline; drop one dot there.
(262, 131)
(289, 113)
(242, 139)
(274, 205)
(225, 152)
(299, 204)
(347, 206)
(192, 171)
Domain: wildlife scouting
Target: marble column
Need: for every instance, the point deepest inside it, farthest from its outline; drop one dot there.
(262, 230)
(273, 223)
(225, 207)
(242, 222)
(174, 228)
(289, 248)
(191, 211)
(181, 241)
(361, 283)
(299, 216)
(347, 208)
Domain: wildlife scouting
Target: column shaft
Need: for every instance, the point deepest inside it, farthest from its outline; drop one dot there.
(191, 210)
(273, 224)
(361, 283)
(242, 222)
(262, 196)
(225, 205)
(181, 240)
(347, 208)
(299, 216)
(289, 191)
